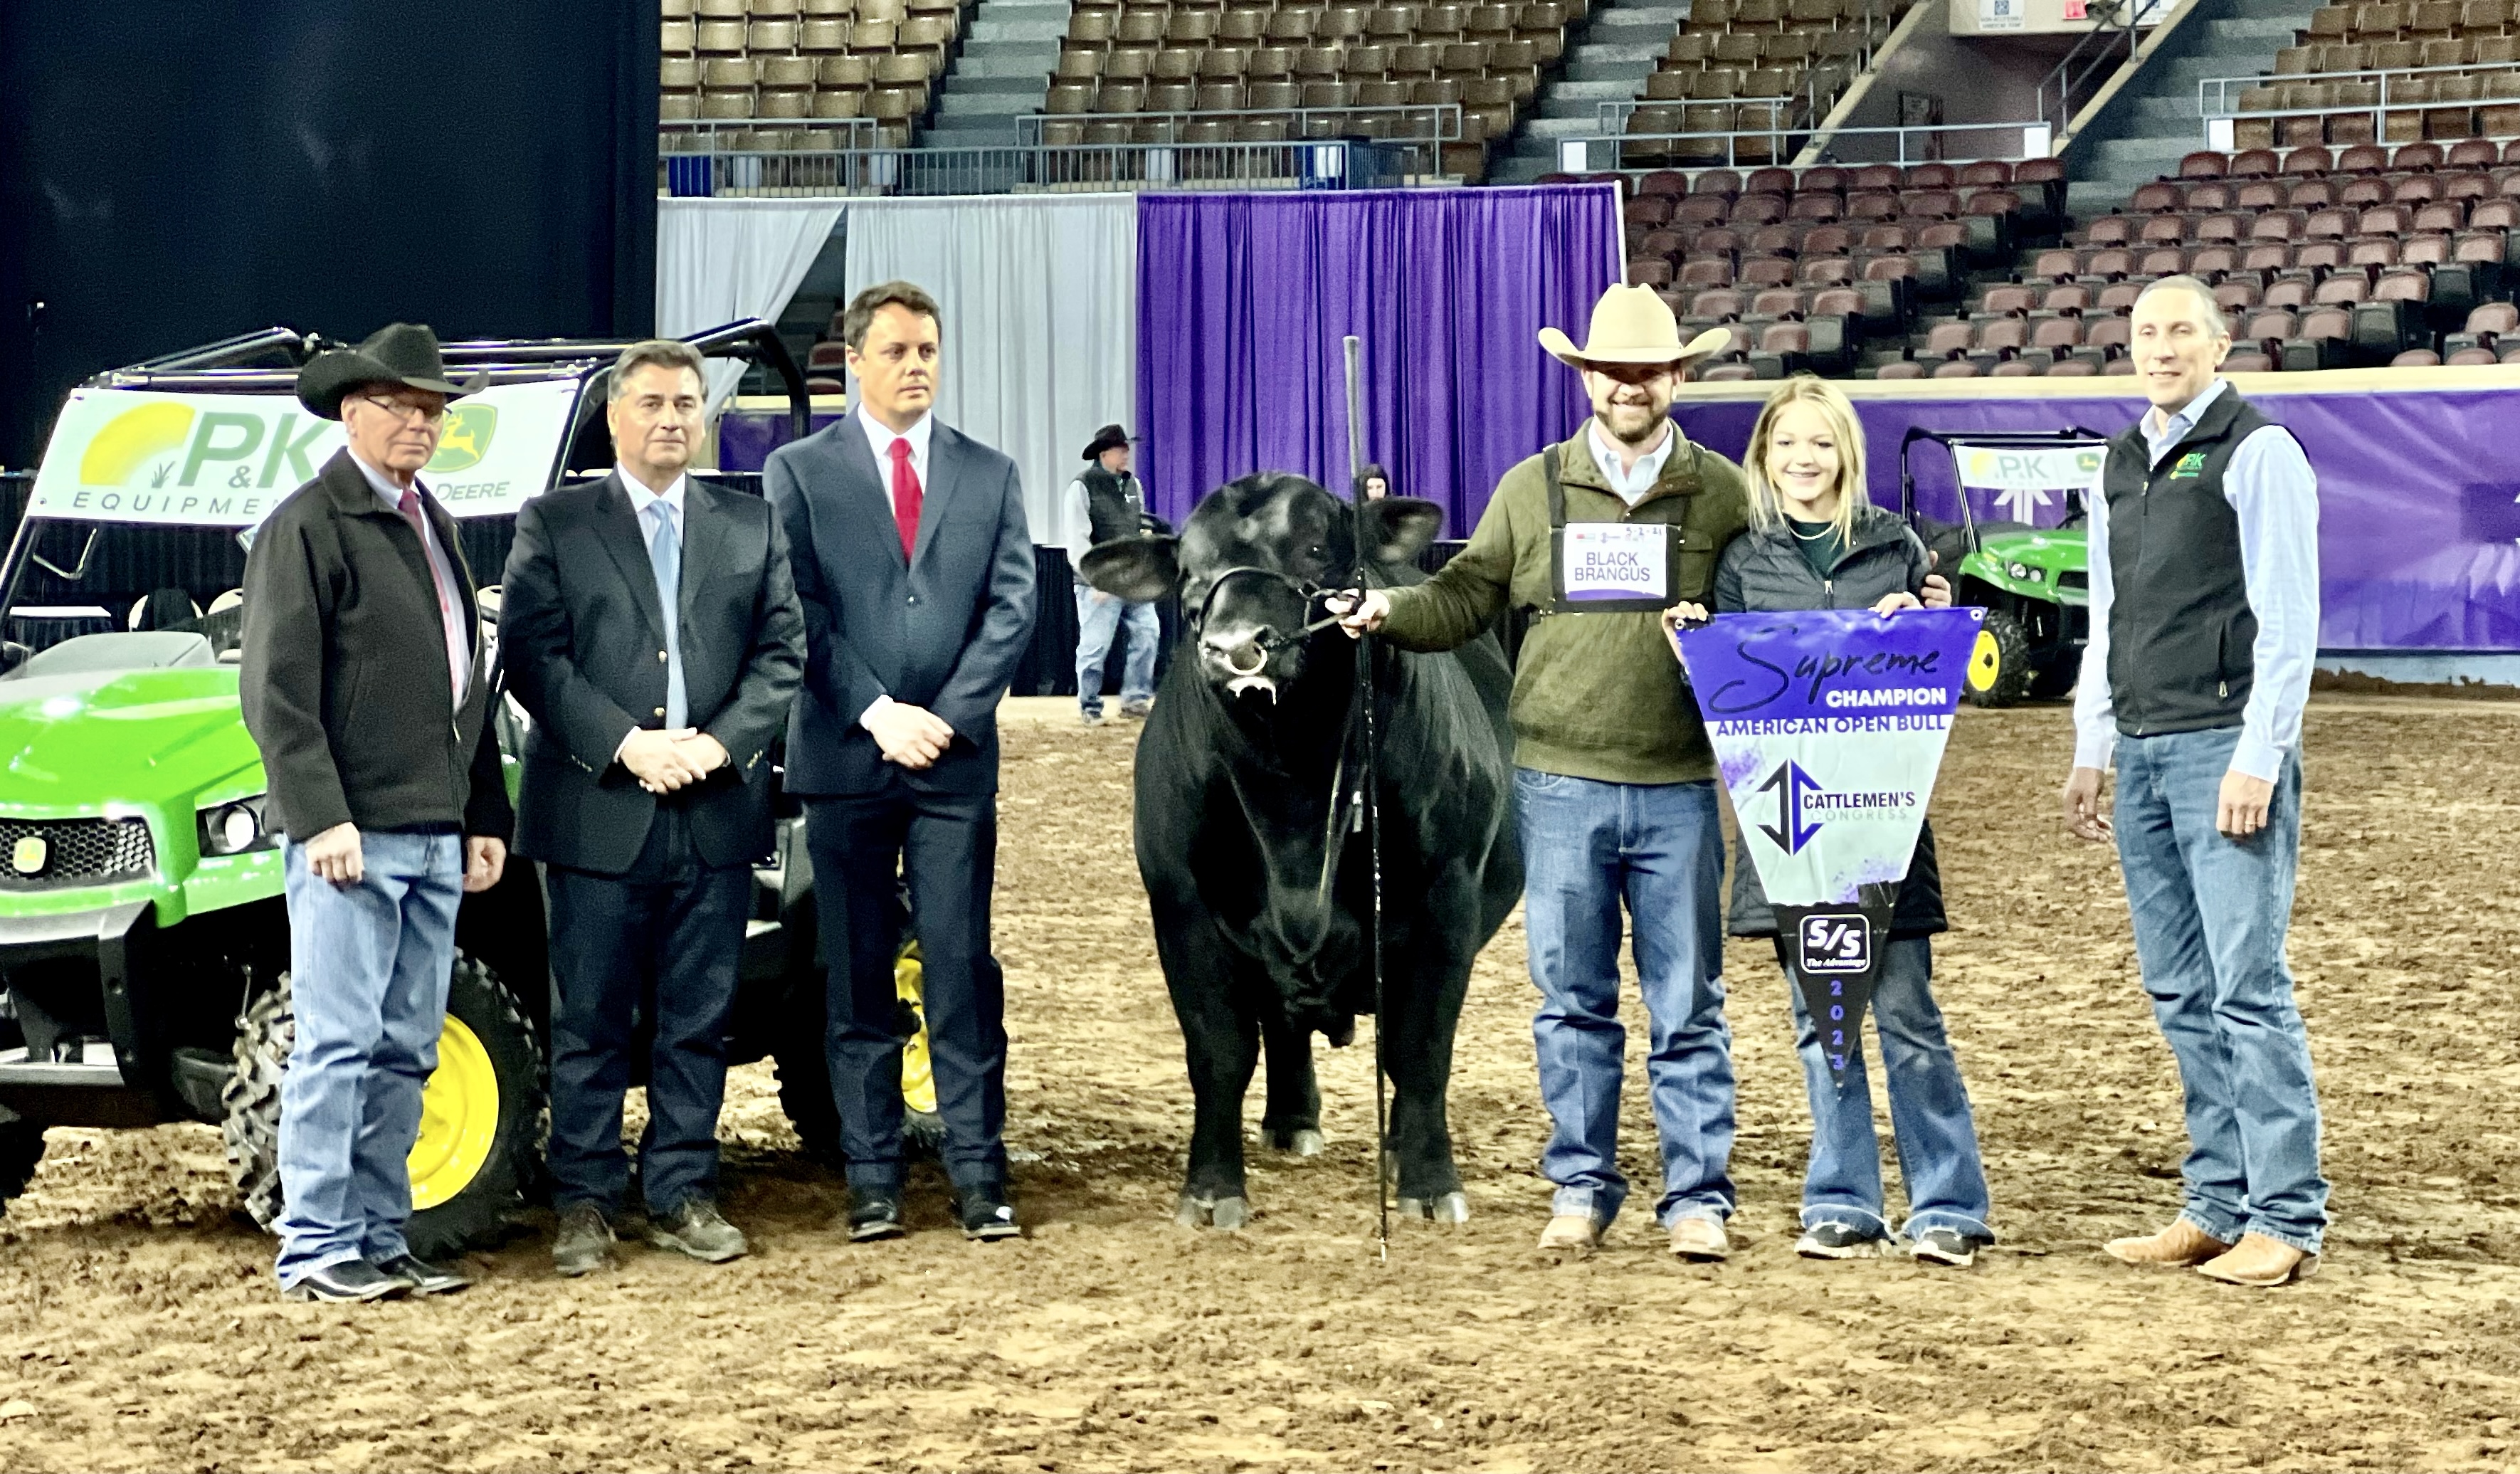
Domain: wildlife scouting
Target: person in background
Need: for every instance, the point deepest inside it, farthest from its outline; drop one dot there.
(1614, 779)
(1109, 504)
(649, 627)
(358, 605)
(1818, 542)
(1373, 484)
(2204, 559)
(916, 573)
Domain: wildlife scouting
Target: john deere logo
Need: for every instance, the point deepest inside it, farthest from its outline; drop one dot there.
(2191, 466)
(28, 856)
(467, 437)
(2087, 462)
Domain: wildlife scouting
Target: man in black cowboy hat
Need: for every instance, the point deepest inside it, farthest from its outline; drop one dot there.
(364, 685)
(1107, 503)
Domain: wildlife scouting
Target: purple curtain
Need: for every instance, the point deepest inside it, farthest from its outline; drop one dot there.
(2419, 526)
(1243, 300)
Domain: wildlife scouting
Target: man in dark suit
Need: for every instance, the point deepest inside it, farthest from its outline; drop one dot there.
(651, 629)
(916, 577)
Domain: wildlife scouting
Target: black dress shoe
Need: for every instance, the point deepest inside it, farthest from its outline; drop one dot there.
(986, 1214)
(352, 1281)
(874, 1216)
(424, 1277)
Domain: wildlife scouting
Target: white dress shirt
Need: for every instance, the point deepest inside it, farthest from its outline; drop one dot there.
(459, 643)
(879, 440)
(1632, 486)
(2271, 485)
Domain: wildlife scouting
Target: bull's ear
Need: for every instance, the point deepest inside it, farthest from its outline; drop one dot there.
(1394, 530)
(1139, 570)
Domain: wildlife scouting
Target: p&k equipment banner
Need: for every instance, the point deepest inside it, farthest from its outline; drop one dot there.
(227, 460)
(1829, 727)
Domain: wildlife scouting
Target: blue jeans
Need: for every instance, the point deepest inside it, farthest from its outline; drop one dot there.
(1929, 1112)
(2209, 917)
(369, 965)
(1098, 616)
(1587, 847)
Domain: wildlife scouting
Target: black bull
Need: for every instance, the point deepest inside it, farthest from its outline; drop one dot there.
(1255, 864)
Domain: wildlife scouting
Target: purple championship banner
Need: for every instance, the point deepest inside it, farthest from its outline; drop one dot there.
(1829, 726)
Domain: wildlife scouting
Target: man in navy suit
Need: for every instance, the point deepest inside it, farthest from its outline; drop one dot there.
(651, 629)
(916, 573)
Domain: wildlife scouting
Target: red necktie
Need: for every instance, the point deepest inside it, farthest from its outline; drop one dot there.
(446, 615)
(906, 495)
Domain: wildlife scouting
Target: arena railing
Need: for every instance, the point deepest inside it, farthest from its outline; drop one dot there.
(1418, 131)
(2218, 98)
(2009, 142)
(2086, 67)
(1802, 105)
(1307, 164)
(711, 135)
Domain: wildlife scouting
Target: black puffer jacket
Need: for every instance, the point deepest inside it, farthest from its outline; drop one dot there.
(1764, 572)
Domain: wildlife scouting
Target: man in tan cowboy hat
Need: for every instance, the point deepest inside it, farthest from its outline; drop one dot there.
(363, 685)
(1614, 783)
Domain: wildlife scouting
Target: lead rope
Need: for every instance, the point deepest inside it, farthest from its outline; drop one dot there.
(1369, 813)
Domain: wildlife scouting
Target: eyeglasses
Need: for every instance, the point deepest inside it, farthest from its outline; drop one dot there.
(407, 408)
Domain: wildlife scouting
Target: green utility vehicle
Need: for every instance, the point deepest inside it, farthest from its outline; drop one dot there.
(144, 943)
(2015, 546)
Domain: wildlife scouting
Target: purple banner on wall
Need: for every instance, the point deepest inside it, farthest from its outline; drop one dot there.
(746, 438)
(1243, 300)
(2419, 526)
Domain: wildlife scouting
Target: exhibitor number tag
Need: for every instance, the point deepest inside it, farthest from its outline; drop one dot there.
(1623, 561)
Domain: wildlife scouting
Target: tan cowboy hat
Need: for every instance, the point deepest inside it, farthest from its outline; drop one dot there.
(1632, 325)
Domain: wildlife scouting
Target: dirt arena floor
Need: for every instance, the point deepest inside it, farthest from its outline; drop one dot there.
(139, 1329)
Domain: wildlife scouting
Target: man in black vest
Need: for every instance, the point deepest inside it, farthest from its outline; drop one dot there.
(651, 630)
(1109, 502)
(2204, 567)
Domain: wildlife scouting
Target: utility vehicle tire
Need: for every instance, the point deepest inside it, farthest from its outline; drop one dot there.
(483, 1120)
(22, 1146)
(2054, 681)
(805, 1077)
(1999, 664)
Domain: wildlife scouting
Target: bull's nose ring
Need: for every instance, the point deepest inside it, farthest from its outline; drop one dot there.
(1258, 652)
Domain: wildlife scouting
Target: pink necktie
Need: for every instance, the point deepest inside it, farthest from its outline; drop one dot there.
(446, 612)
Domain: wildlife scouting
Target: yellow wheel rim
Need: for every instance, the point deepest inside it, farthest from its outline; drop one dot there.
(917, 1077)
(1986, 661)
(459, 1118)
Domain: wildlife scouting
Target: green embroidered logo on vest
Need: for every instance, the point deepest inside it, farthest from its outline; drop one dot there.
(2191, 466)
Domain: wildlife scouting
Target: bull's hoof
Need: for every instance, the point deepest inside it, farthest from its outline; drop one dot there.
(1452, 1209)
(1304, 1142)
(1226, 1212)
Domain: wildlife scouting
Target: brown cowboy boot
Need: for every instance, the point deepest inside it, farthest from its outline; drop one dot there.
(2261, 1263)
(2176, 1247)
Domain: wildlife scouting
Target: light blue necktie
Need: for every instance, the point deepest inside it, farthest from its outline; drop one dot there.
(665, 556)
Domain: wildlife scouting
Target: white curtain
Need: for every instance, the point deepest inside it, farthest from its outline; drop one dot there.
(722, 261)
(1040, 300)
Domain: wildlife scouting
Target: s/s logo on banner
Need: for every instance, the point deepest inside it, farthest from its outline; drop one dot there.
(1829, 726)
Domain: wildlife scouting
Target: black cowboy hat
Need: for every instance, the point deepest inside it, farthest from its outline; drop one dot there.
(403, 354)
(1109, 437)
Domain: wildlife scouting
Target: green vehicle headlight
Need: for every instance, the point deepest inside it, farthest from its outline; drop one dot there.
(2027, 573)
(234, 828)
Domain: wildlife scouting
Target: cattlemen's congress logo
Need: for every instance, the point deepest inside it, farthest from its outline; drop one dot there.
(1802, 806)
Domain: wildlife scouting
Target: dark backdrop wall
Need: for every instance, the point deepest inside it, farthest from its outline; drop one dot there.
(178, 171)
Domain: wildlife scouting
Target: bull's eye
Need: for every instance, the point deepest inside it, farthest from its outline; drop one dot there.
(1317, 552)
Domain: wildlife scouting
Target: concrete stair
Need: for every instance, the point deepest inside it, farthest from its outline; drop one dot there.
(1002, 73)
(1607, 61)
(2146, 139)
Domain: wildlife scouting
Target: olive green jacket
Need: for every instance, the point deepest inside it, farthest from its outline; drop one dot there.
(1596, 695)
